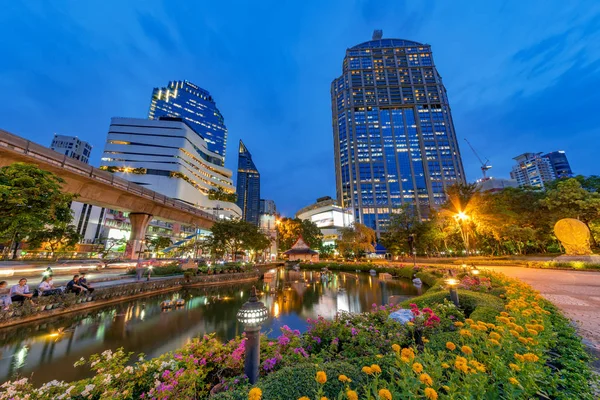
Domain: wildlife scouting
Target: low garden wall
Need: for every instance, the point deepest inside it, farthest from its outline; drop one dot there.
(50, 306)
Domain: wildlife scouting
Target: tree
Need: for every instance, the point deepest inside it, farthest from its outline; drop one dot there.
(57, 238)
(289, 230)
(158, 243)
(357, 240)
(404, 222)
(222, 195)
(327, 251)
(111, 245)
(233, 236)
(31, 201)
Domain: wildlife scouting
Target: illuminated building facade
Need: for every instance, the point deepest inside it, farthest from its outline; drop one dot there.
(329, 218)
(394, 139)
(248, 186)
(167, 156)
(195, 106)
(73, 147)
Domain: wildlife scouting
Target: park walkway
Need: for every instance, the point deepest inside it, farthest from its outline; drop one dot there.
(576, 293)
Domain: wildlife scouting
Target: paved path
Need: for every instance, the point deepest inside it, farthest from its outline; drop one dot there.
(576, 293)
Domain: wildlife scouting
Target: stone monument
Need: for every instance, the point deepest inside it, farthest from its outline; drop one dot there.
(574, 235)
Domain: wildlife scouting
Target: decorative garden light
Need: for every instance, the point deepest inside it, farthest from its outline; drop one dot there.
(149, 271)
(452, 283)
(475, 271)
(252, 314)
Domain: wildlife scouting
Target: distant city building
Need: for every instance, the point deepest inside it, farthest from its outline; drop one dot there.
(532, 169)
(560, 164)
(87, 219)
(167, 156)
(196, 106)
(268, 225)
(248, 186)
(72, 147)
(328, 216)
(267, 207)
(394, 139)
(495, 184)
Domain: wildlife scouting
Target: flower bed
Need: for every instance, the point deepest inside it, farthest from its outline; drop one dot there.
(527, 350)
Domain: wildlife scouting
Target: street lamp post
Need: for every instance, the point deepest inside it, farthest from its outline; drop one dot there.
(452, 283)
(252, 315)
(461, 218)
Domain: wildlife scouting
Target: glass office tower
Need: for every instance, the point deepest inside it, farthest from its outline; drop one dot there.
(248, 186)
(196, 106)
(394, 138)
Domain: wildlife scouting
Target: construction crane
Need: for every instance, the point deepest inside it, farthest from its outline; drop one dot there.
(484, 165)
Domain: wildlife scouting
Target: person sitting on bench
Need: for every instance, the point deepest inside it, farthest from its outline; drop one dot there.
(73, 285)
(20, 292)
(46, 288)
(84, 283)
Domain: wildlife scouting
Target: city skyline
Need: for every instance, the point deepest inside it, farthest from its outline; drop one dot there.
(505, 95)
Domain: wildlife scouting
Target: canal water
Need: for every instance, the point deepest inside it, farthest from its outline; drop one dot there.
(46, 350)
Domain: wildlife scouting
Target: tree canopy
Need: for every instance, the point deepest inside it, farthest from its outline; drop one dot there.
(356, 240)
(33, 207)
(288, 231)
(231, 237)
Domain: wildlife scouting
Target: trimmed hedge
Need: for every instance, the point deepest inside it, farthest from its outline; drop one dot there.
(469, 300)
(485, 314)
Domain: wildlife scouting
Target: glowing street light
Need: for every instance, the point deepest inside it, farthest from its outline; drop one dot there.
(452, 283)
(461, 218)
(252, 315)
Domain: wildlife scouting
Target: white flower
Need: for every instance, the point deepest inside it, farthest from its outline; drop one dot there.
(129, 369)
(93, 364)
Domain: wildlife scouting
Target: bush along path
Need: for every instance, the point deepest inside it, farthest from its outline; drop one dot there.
(505, 342)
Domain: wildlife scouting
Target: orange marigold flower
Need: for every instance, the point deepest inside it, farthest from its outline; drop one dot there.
(407, 353)
(426, 379)
(514, 333)
(530, 357)
(367, 370)
(445, 365)
(304, 398)
(417, 367)
(352, 395)
(431, 394)
(344, 378)
(467, 350)
(323, 398)
(519, 357)
(519, 329)
(504, 314)
(450, 346)
(425, 340)
(464, 332)
(539, 327)
(255, 394)
(494, 342)
(385, 394)
(376, 368)
(396, 348)
(495, 335)
(469, 321)
(514, 381)
(514, 367)
(532, 332)
(321, 377)
(523, 340)
(458, 324)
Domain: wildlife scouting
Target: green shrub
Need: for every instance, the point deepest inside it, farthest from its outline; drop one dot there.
(295, 382)
(485, 314)
(469, 300)
(438, 341)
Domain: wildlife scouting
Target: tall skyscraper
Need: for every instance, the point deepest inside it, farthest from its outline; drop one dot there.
(196, 106)
(532, 169)
(248, 186)
(560, 164)
(394, 138)
(167, 156)
(72, 147)
(268, 207)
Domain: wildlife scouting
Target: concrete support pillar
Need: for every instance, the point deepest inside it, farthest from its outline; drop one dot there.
(139, 225)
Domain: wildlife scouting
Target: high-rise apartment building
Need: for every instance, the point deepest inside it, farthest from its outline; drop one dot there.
(167, 156)
(194, 105)
(532, 169)
(72, 147)
(560, 164)
(394, 138)
(248, 186)
(267, 207)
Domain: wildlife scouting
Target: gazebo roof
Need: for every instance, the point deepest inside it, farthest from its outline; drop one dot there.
(300, 247)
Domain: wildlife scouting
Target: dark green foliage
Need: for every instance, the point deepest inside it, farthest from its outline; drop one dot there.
(438, 341)
(485, 314)
(469, 300)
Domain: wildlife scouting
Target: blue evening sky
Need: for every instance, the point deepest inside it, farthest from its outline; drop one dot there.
(522, 76)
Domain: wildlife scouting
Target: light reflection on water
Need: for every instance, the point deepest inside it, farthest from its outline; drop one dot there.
(49, 348)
